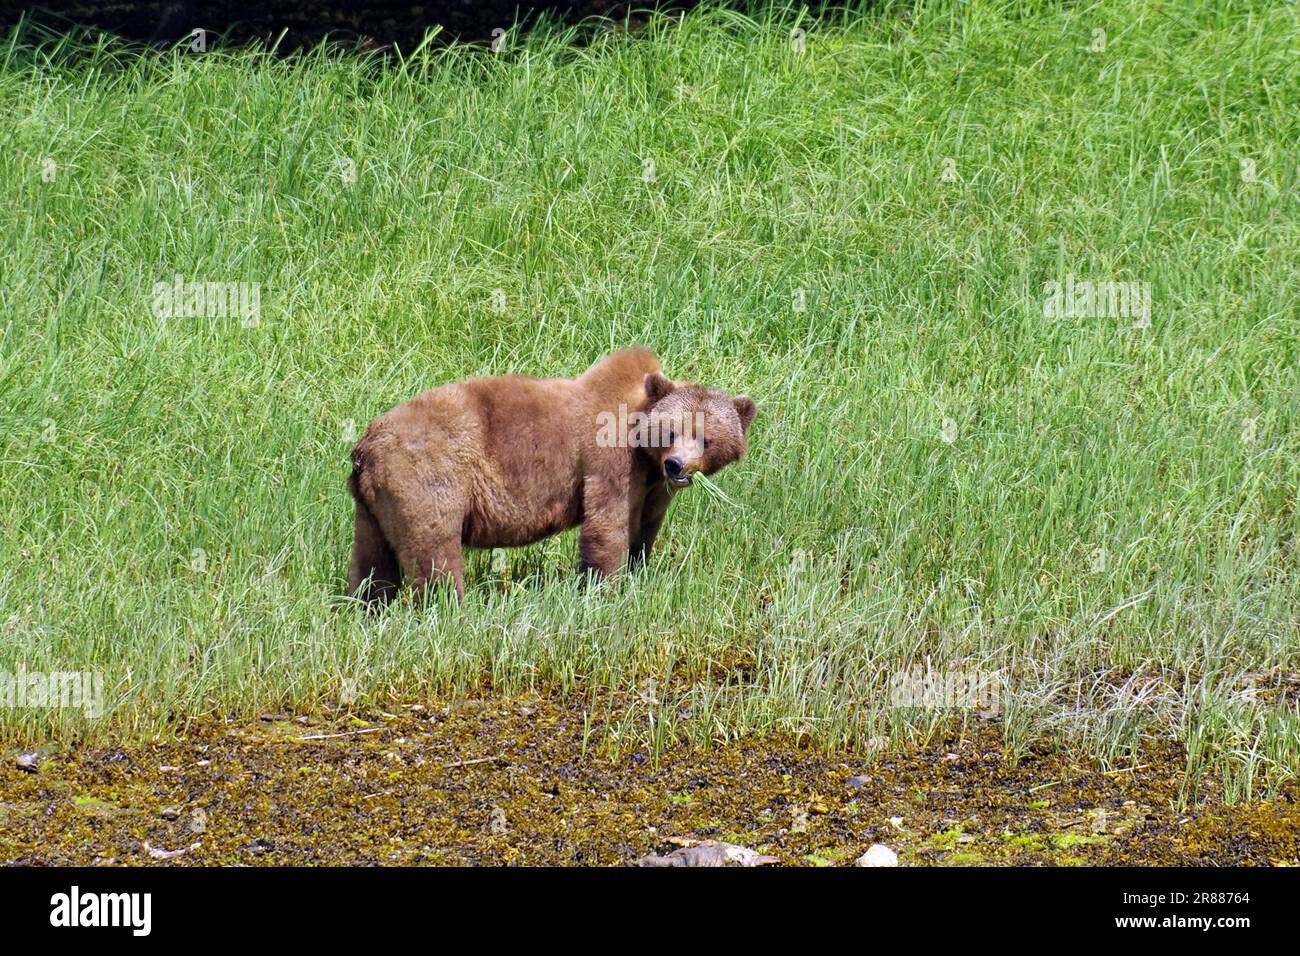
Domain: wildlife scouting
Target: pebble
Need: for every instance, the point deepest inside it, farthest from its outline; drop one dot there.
(878, 855)
(710, 853)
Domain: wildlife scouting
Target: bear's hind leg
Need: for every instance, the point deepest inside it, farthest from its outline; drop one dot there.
(437, 562)
(374, 575)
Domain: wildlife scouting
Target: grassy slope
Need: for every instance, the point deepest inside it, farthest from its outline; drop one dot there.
(172, 491)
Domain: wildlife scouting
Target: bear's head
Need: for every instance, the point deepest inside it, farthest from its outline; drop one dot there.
(694, 429)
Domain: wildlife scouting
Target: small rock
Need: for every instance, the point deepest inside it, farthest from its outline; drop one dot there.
(709, 853)
(169, 813)
(27, 763)
(497, 821)
(878, 855)
(861, 780)
(160, 854)
(896, 822)
(198, 820)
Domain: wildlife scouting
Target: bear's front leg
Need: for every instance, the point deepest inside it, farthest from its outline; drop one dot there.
(603, 541)
(602, 544)
(657, 499)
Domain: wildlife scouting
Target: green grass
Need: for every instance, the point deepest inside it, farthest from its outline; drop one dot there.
(937, 470)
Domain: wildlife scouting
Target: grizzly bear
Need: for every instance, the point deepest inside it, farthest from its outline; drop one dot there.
(506, 461)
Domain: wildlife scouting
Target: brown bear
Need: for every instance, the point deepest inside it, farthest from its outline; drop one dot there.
(506, 461)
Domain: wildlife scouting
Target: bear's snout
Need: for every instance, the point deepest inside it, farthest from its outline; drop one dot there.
(675, 470)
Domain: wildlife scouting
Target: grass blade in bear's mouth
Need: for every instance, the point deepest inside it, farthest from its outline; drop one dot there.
(716, 492)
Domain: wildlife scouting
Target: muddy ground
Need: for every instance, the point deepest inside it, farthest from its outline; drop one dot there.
(507, 782)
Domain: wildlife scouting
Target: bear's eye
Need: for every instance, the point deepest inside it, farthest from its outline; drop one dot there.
(707, 443)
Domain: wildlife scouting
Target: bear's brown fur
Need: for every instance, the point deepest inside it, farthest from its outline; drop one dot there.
(506, 461)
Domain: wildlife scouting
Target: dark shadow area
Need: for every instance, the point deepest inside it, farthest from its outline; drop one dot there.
(367, 24)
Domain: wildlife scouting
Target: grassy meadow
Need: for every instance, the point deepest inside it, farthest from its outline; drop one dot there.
(855, 220)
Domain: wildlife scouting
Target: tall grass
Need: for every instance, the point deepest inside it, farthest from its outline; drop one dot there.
(854, 225)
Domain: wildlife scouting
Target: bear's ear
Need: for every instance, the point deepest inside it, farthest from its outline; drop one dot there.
(657, 385)
(746, 409)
